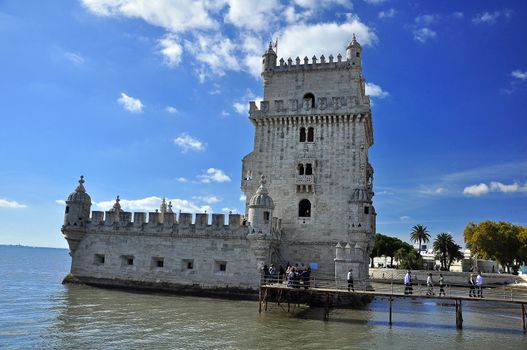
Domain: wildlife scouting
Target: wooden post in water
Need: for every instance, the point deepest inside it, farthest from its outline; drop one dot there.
(459, 315)
(326, 308)
(265, 298)
(390, 319)
(523, 317)
(260, 300)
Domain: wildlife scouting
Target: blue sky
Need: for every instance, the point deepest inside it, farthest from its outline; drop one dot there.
(149, 99)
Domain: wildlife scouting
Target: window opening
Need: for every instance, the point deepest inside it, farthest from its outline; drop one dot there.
(302, 134)
(309, 169)
(304, 208)
(300, 169)
(266, 216)
(310, 96)
(366, 210)
(310, 134)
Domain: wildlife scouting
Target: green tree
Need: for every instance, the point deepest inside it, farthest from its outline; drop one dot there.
(411, 261)
(387, 246)
(501, 241)
(419, 234)
(447, 251)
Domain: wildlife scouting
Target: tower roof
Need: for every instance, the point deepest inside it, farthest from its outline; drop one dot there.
(80, 195)
(116, 206)
(261, 198)
(354, 43)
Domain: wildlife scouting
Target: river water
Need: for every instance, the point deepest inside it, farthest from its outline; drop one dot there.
(37, 311)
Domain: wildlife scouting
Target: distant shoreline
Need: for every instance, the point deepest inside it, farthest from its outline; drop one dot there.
(28, 246)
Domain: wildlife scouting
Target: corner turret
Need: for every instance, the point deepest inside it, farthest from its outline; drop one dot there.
(268, 62)
(76, 215)
(354, 53)
(260, 209)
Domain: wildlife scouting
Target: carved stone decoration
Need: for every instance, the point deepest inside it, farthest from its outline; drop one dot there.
(323, 103)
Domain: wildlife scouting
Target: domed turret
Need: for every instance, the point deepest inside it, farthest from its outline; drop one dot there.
(354, 52)
(78, 206)
(261, 207)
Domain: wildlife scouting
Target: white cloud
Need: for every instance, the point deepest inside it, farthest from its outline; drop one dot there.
(243, 198)
(174, 15)
(131, 104)
(374, 90)
(519, 74)
(171, 50)
(494, 186)
(74, 57)
(404, 218)
(252, 14)
(374, 2)
(317, 4)
(189, 143)
(387, 14)
(60, 201)
(6, 203)
(293, 43)
(181, 179)
(491, 17)
(224, 113)
(152, 203)
(476, 190)
(242, 105)
(458, 15)
(427, 19)
(424, 34)
(229, 210)
(432, 190)
(171, 110)
(207, 199)
(214, 175)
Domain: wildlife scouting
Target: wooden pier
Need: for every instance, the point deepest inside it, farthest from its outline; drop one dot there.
(300, 295)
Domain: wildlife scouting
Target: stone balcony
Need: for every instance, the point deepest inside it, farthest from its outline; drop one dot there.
(305, 183)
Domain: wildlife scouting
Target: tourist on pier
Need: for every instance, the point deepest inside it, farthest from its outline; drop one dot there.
(281, 274)
(350, 280)
(430, 285)
(441, 285)
(471, 286)
(479, 285)
(408, 283)
(265, 273)
(306, 275)
(273, 274)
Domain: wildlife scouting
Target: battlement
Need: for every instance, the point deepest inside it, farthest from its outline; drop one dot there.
(185, 224)
(316, 64)
(321, 106)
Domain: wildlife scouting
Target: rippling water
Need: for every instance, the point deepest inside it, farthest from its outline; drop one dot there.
(36, 311)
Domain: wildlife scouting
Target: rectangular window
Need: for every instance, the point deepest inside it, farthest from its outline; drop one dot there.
(188, 264)
(220, 266)
(266, 216)
(99, 259)
(157, 262)
(366, 210)
(127, 260)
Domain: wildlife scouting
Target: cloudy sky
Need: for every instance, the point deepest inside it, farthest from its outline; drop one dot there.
(149, 99)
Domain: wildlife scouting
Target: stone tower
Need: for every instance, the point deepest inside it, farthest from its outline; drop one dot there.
(76, 216)
(313, 131)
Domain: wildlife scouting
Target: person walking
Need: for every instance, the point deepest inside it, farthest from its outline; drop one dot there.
(430, 285)
(350, 280)
(408, 283)
(479, 284)
(441, 285)
(471, 286)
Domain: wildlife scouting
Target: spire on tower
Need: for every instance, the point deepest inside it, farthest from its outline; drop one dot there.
(80, 187)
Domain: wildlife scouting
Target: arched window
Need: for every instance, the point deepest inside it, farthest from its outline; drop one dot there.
(312, 97)
(304, 208)
(302, 134)
(309, 169)
(310, 134)
(301, 169)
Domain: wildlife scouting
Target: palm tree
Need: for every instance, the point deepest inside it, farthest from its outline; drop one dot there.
(419, 234)
(442, 243)
(447, 250)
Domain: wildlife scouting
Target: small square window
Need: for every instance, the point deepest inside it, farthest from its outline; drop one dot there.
(366, 210)
(99, 259)
(127, 260)
(158, 262)
(188, 264)
(220, 266)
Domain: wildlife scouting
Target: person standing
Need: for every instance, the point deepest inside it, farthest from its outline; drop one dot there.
(441, 285)
(408, 283)
(350, 280)
(471, 286)
(479, 285)
(430, 285)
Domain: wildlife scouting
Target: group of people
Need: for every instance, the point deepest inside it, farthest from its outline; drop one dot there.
(294, 276)
(475, 283)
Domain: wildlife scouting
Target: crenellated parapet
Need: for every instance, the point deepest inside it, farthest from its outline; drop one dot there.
(187, 224)
(316, 63)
